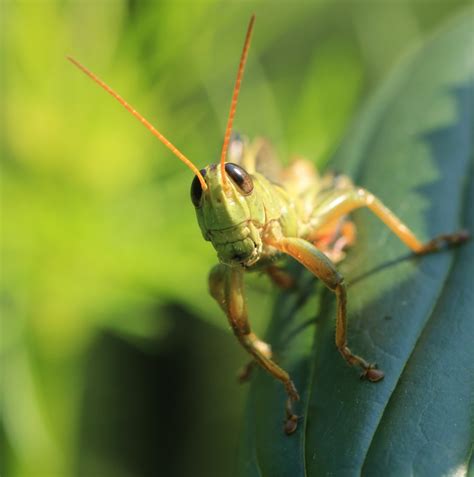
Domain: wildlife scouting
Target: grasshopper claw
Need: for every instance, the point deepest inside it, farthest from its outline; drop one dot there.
(372, 374)
(291, 424)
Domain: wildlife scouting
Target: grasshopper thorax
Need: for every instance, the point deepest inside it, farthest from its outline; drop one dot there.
(229, 215)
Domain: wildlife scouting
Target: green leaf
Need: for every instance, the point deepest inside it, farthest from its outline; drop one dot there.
(412, 147)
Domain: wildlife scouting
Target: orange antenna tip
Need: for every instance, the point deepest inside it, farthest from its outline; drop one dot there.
(147, 124)
(235, 96)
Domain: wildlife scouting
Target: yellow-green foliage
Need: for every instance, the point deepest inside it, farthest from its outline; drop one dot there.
(97, 227)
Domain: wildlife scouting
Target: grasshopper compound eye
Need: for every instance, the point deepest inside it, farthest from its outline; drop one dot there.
(196, 189)
(240, 177)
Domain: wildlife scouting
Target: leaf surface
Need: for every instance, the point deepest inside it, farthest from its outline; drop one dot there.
(412, 146)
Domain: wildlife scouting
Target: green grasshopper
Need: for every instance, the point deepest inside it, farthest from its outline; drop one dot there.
(251, 218)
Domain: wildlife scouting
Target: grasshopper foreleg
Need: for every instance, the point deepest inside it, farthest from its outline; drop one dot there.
(320, 265)
(226, 286)
(280, 277)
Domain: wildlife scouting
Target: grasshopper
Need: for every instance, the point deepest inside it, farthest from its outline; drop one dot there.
(252, 217)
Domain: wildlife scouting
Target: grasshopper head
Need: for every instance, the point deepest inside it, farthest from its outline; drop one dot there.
(229, 215)
(227, 201)
(226, 205)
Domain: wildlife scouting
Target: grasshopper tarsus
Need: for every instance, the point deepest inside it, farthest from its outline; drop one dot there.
(291, 424)
(444, 240)
(372, 374)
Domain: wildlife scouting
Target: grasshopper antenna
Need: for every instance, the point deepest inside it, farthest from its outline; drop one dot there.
(148, 125)
(233, 104)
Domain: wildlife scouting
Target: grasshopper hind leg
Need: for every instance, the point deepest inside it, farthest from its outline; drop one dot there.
(342, 202)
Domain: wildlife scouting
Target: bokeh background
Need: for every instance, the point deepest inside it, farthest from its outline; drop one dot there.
(115, 361)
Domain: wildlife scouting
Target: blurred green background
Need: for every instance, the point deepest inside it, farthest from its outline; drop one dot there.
(115, 361)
